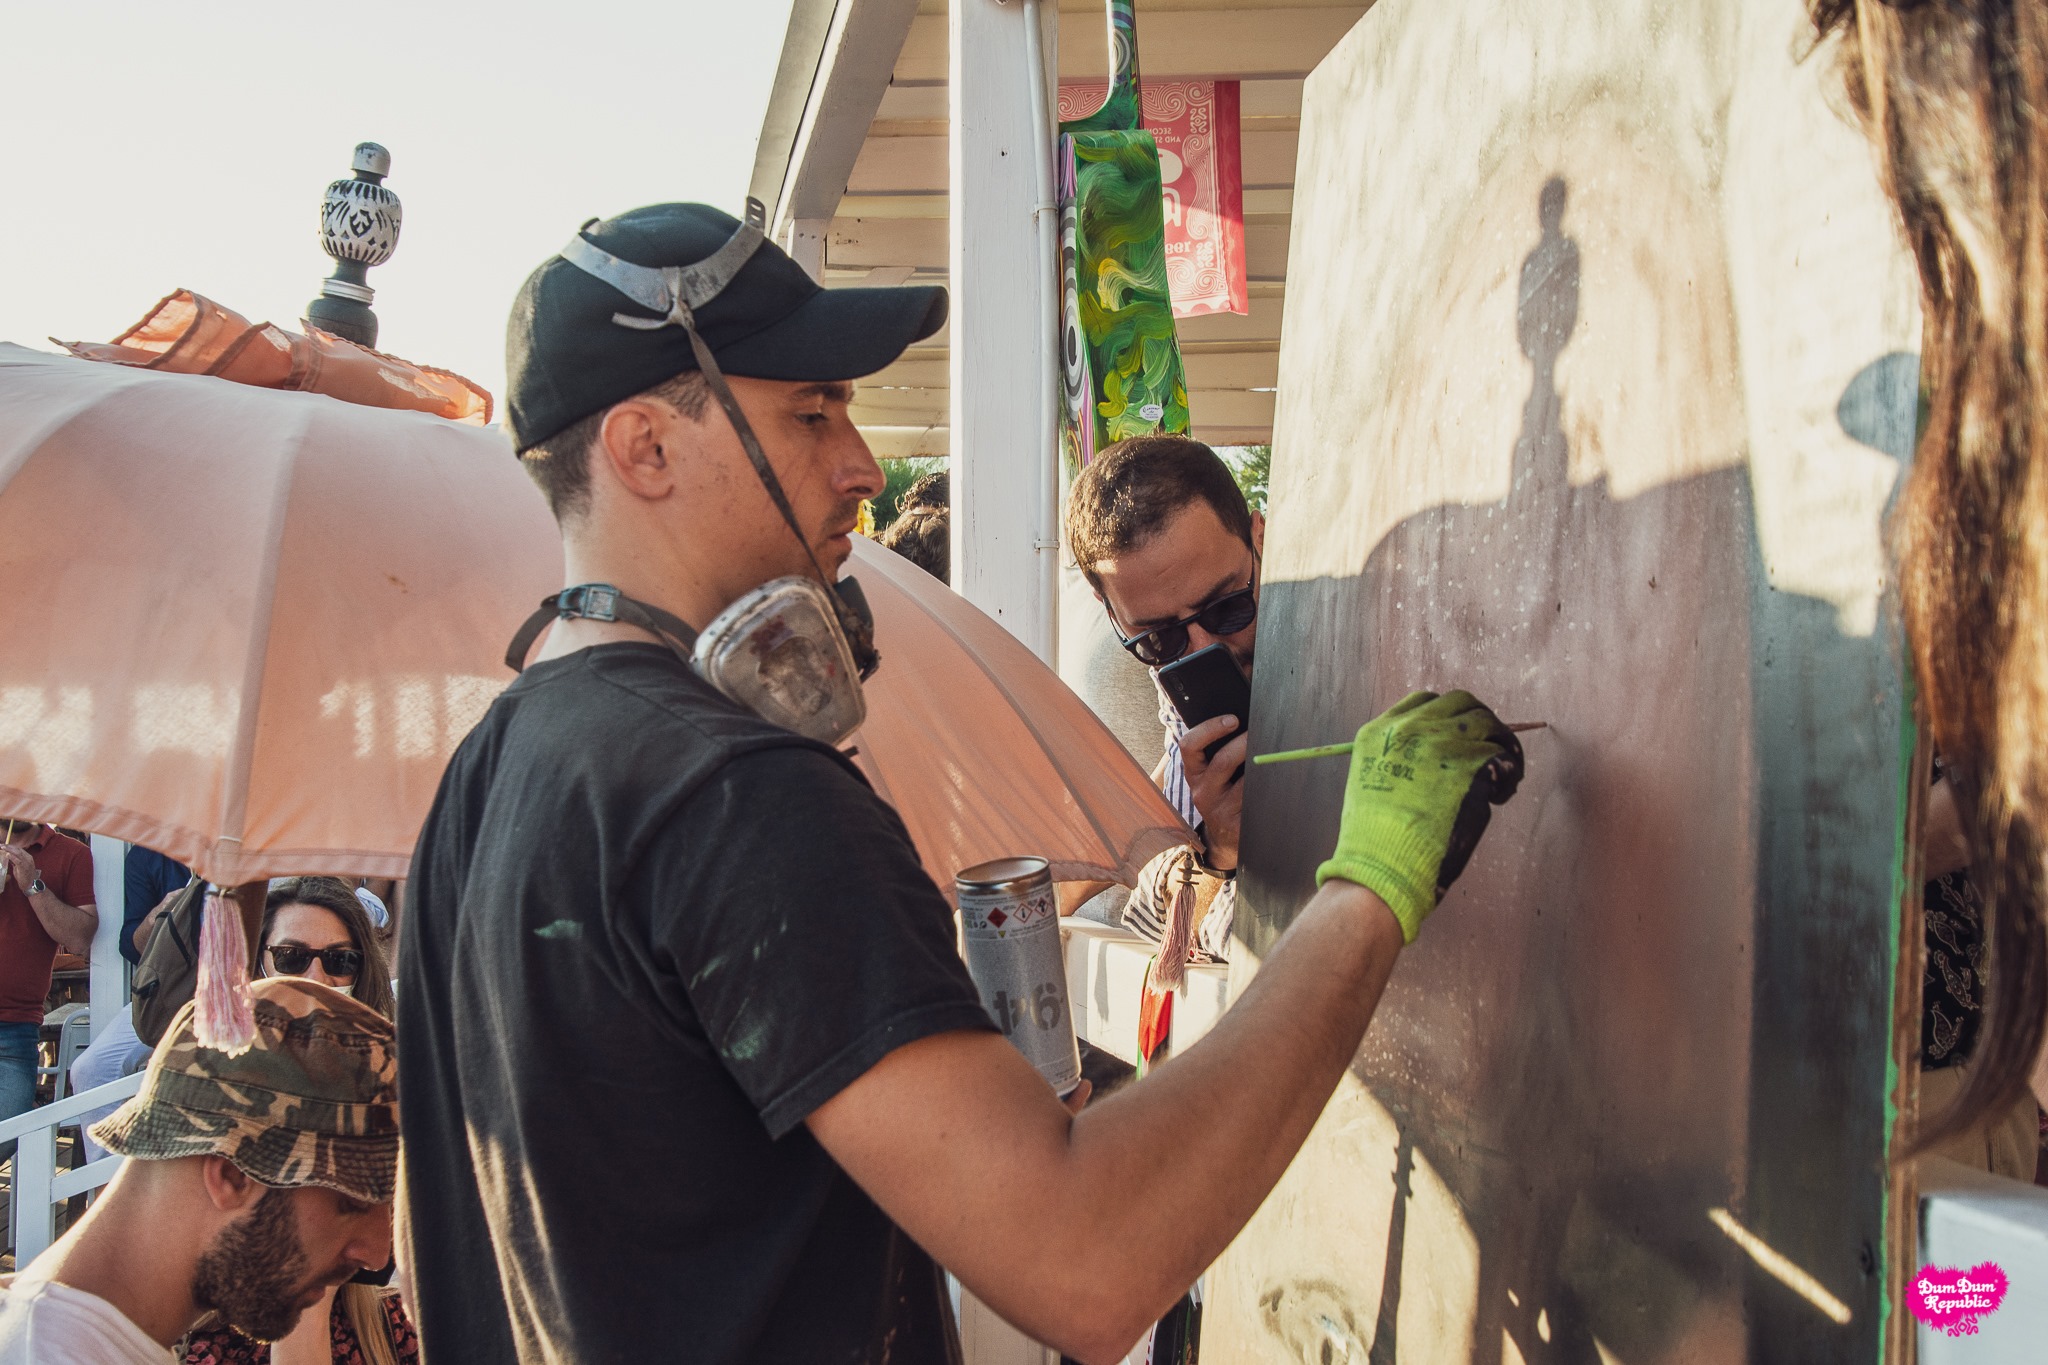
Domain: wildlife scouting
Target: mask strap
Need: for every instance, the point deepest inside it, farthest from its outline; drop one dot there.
(663, 290)
(601, 602)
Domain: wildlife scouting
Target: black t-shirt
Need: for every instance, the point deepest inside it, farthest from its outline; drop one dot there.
(647, 933)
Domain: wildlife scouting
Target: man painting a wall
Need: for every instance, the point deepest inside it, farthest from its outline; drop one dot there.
(638, 898)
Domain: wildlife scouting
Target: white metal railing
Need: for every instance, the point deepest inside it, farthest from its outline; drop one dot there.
(38, 1185)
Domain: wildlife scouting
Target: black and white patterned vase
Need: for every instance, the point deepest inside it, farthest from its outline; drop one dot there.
(359, 223)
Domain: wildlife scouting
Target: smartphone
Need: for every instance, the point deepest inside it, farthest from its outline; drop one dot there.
(1207, 684)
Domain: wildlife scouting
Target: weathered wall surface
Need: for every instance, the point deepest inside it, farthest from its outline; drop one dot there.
(1597, 378)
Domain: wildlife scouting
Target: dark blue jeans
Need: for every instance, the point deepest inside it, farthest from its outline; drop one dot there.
(17, 1074)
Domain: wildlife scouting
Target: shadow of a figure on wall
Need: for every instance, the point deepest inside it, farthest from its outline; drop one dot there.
(1660, 987)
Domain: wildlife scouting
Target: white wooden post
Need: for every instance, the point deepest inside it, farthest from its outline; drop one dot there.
(1000, 383)
(35, 1166)
(109, 982)
(807, 245)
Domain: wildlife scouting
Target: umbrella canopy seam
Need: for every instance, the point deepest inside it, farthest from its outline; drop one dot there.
(235, 792)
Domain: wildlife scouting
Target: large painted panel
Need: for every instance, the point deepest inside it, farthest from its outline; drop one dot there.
(1598, 375)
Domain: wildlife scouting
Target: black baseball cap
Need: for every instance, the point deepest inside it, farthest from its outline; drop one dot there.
(576, 344)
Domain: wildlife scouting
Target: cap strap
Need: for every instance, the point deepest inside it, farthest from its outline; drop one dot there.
(666, 290)
(853, 621)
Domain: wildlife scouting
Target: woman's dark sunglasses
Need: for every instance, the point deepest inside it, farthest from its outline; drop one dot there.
(1227, 615)
(293, 960)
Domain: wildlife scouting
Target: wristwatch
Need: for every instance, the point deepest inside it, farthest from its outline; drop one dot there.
(38, 886)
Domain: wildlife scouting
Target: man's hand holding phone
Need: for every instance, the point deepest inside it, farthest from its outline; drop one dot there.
(1212, 696)
(1217, 785)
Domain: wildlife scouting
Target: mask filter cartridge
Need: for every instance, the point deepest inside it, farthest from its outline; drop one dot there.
(779, 652)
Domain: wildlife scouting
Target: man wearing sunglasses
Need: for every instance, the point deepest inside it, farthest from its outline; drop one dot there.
(1171, 548)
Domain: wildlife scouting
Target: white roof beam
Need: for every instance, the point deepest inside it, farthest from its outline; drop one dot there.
(857, 53)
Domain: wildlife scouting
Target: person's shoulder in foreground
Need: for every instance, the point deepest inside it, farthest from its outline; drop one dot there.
(44, 1321)
(623, 694)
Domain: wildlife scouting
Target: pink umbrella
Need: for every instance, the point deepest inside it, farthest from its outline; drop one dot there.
(247, 627)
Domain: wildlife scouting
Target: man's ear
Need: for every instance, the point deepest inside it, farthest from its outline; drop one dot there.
(1258, 533)
(629, 444)
(228, 1185)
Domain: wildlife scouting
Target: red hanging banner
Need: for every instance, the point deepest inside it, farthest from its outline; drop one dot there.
(1201, 175)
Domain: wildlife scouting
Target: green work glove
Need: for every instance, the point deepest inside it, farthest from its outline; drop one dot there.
(1424, 778)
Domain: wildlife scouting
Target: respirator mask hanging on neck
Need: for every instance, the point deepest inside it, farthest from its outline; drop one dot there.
(795, 650)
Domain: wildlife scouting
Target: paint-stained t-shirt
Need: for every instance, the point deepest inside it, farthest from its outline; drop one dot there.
(647, 934)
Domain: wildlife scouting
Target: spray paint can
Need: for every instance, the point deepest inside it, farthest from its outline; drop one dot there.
(1010, 936)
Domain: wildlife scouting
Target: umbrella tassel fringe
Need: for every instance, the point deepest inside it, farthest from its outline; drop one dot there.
(1170, 968)
(224, 1016)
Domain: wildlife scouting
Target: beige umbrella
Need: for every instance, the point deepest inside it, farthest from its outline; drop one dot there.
(247, 627)
(984, 751)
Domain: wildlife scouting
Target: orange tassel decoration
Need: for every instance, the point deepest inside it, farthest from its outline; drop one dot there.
(224, 1017)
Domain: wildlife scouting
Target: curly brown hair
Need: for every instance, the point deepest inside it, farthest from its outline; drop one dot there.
(1954, 95)
(1129, 490)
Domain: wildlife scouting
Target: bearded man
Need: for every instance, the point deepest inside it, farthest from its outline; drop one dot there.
(253, 1184)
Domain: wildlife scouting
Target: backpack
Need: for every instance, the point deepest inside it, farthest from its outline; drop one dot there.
(168, 974)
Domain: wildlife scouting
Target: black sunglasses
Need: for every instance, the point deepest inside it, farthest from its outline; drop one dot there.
(1227, 615)
(292, 959)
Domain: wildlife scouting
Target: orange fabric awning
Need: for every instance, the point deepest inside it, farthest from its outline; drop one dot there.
(188, 333)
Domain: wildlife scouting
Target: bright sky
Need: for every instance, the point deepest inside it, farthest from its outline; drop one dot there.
(152, 146)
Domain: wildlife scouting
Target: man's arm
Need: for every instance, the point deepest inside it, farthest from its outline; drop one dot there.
(71, 925)
(1091, 1227)
(147, 925)
(147, 878)
(1088, 1236)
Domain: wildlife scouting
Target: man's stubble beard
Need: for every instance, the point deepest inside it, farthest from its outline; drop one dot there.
(255, 1273)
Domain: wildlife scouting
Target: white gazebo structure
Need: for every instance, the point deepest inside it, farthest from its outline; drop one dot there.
(901, 144)
(904, 141)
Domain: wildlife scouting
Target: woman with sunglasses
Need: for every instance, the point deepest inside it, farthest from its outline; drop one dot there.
(316, 927)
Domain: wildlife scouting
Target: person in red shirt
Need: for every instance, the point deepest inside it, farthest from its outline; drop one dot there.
(46, 903)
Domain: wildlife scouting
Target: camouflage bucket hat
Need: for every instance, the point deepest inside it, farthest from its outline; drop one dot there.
(314, 1102)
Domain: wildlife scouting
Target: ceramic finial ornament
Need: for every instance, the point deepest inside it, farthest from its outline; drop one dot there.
(359, 221)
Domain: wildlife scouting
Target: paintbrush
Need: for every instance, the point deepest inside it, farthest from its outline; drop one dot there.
(1332, 750)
